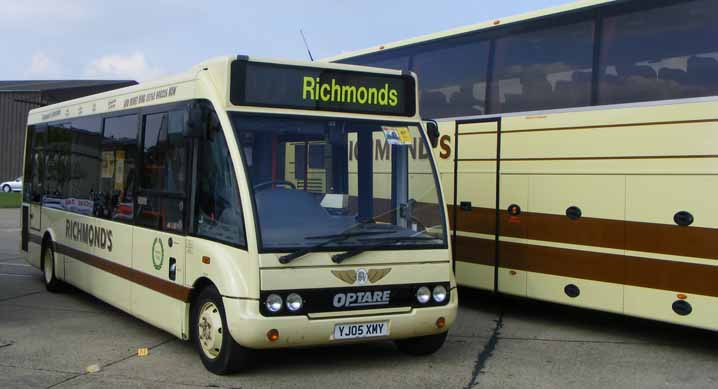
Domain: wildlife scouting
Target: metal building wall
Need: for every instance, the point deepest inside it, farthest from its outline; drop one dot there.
(13, 121)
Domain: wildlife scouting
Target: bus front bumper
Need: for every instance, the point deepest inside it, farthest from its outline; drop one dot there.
(249, 328)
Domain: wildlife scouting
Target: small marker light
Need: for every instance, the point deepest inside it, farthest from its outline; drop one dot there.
(273, 335)
(206, 260)
(440, 323)
(681, 296)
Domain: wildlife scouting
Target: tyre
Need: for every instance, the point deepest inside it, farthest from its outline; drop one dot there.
(6, 188)
(52, 284)
(219, 352)
(423, 345)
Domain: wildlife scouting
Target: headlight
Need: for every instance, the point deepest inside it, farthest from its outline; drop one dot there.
(294, 302)
(439, 293)
(423, 295)
(274, 303)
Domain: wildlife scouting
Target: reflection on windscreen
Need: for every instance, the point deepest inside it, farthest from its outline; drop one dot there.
(315, 178)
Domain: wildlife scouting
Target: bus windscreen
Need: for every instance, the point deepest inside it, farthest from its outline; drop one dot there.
(295, 87)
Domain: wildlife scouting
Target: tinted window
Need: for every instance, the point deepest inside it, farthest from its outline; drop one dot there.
(31, 174)
(85, 161)
(316, 156)
(452, 78)
(544, 69)
(57, 164)
(118, 170)
(389, 60)
(164, 169)
(219, 211)
(300, 165)
(664, 53)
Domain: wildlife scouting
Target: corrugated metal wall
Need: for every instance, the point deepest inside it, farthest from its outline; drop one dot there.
(13, 122)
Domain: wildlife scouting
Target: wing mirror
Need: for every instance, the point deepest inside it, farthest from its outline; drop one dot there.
(432, 131)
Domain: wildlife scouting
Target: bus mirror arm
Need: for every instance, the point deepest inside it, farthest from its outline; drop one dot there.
(432, 131)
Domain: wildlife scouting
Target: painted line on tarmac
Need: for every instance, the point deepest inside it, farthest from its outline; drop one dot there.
(17, 275)
(105, 366)
(22, 295)
(41, 308)
(14, 264)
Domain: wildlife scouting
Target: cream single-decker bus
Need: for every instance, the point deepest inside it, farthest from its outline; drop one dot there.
(247, 204)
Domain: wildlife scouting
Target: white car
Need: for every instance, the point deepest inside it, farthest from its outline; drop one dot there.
(12, 186)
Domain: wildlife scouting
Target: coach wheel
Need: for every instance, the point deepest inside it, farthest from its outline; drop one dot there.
(6, 188)
(52, 284)
(423, 345)
(219, 352)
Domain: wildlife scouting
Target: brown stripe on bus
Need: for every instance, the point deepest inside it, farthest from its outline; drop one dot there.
(35, 238)
(697, 242)
(618, 269)
(157, 284)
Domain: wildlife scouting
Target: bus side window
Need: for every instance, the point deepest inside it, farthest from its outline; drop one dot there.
(117, 174)
(218, 214)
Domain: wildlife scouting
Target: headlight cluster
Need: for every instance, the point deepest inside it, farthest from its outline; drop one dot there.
(275, 303)
(438, 294)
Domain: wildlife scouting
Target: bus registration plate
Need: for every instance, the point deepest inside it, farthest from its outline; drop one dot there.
(361, 330)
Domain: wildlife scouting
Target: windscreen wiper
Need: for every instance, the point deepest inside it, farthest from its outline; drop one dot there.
(344, 235)
(339, 258)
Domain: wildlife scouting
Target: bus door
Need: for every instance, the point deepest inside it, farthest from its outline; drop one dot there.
(37, 164)
(161, 219)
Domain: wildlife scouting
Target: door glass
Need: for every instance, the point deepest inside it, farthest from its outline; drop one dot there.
(218, 211)
(164, 170)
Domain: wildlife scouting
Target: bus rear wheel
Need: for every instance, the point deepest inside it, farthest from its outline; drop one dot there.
(422, 345)
(219, 352)
(52, 284)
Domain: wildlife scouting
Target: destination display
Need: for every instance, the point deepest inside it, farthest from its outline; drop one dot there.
(284, 86)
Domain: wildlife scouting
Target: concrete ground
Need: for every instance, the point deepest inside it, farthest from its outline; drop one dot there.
(48, 340)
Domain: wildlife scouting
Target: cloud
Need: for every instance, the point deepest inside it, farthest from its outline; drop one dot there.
(42, 66)
(131, 66)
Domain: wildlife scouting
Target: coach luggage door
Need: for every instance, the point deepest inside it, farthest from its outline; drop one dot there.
(484, 210)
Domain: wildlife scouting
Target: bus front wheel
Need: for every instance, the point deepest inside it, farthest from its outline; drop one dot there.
(52, 284)
(422, 345)
(219, 352)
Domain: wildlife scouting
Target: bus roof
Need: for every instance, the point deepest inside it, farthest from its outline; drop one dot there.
(176, 87)
(495, 23)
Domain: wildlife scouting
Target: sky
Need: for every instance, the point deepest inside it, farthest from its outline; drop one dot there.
(142, 40)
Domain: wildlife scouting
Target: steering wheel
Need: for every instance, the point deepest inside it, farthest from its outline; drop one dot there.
(275, 182)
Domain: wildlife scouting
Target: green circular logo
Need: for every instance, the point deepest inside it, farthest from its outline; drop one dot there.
(158, 253)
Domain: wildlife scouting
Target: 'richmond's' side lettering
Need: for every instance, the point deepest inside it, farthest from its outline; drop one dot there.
(88, 234)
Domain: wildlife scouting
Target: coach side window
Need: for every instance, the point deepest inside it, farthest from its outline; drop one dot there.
(218, 212)
(161, 198)
(663, 53)
(118, 172)
(545, 69)
(452, 78)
